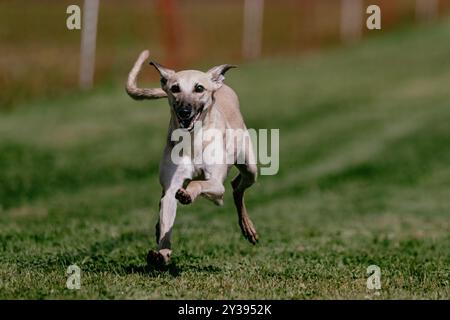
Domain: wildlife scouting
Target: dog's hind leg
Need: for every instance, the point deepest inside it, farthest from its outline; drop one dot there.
(246, 177)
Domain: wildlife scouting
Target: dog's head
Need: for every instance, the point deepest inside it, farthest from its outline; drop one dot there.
(191, 92)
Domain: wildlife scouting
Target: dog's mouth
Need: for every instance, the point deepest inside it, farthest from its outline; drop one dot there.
(188, 123)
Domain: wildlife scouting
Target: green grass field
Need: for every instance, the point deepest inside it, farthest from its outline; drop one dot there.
(364, 179)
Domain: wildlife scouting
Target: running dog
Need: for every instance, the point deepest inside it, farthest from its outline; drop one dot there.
(202, 99)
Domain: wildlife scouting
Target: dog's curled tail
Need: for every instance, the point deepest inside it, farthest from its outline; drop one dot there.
(141, 93)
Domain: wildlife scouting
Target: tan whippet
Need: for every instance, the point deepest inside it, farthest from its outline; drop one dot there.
(197, 97)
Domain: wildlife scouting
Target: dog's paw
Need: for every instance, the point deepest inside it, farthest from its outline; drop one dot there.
(249, 231)
(183, 196)
(156, 260)
(252, 237)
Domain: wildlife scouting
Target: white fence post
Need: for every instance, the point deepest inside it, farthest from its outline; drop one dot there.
(253, 27)
(88, 43)
(352, 13)
(427, 9)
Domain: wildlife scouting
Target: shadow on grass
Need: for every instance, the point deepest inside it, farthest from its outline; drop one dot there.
(120, 255)
(149, 271)
(174, 269)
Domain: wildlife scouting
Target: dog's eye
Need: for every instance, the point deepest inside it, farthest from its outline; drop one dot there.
(175, 88)
(199, 88)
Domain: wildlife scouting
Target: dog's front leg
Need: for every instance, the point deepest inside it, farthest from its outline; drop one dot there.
(167, 214)
(172, 178)
(212, 189)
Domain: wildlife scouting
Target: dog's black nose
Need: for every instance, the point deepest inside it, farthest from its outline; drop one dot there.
(185, 112)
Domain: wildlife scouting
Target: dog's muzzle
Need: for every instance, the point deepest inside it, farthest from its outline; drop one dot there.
(187, 116)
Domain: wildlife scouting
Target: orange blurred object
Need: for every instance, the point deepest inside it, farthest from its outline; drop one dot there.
(172, 31)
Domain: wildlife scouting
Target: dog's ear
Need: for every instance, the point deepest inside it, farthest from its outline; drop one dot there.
(164, 72)
(217, 73)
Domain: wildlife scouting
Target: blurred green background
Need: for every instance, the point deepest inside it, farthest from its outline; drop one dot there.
(40, 57)
(364, 156)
